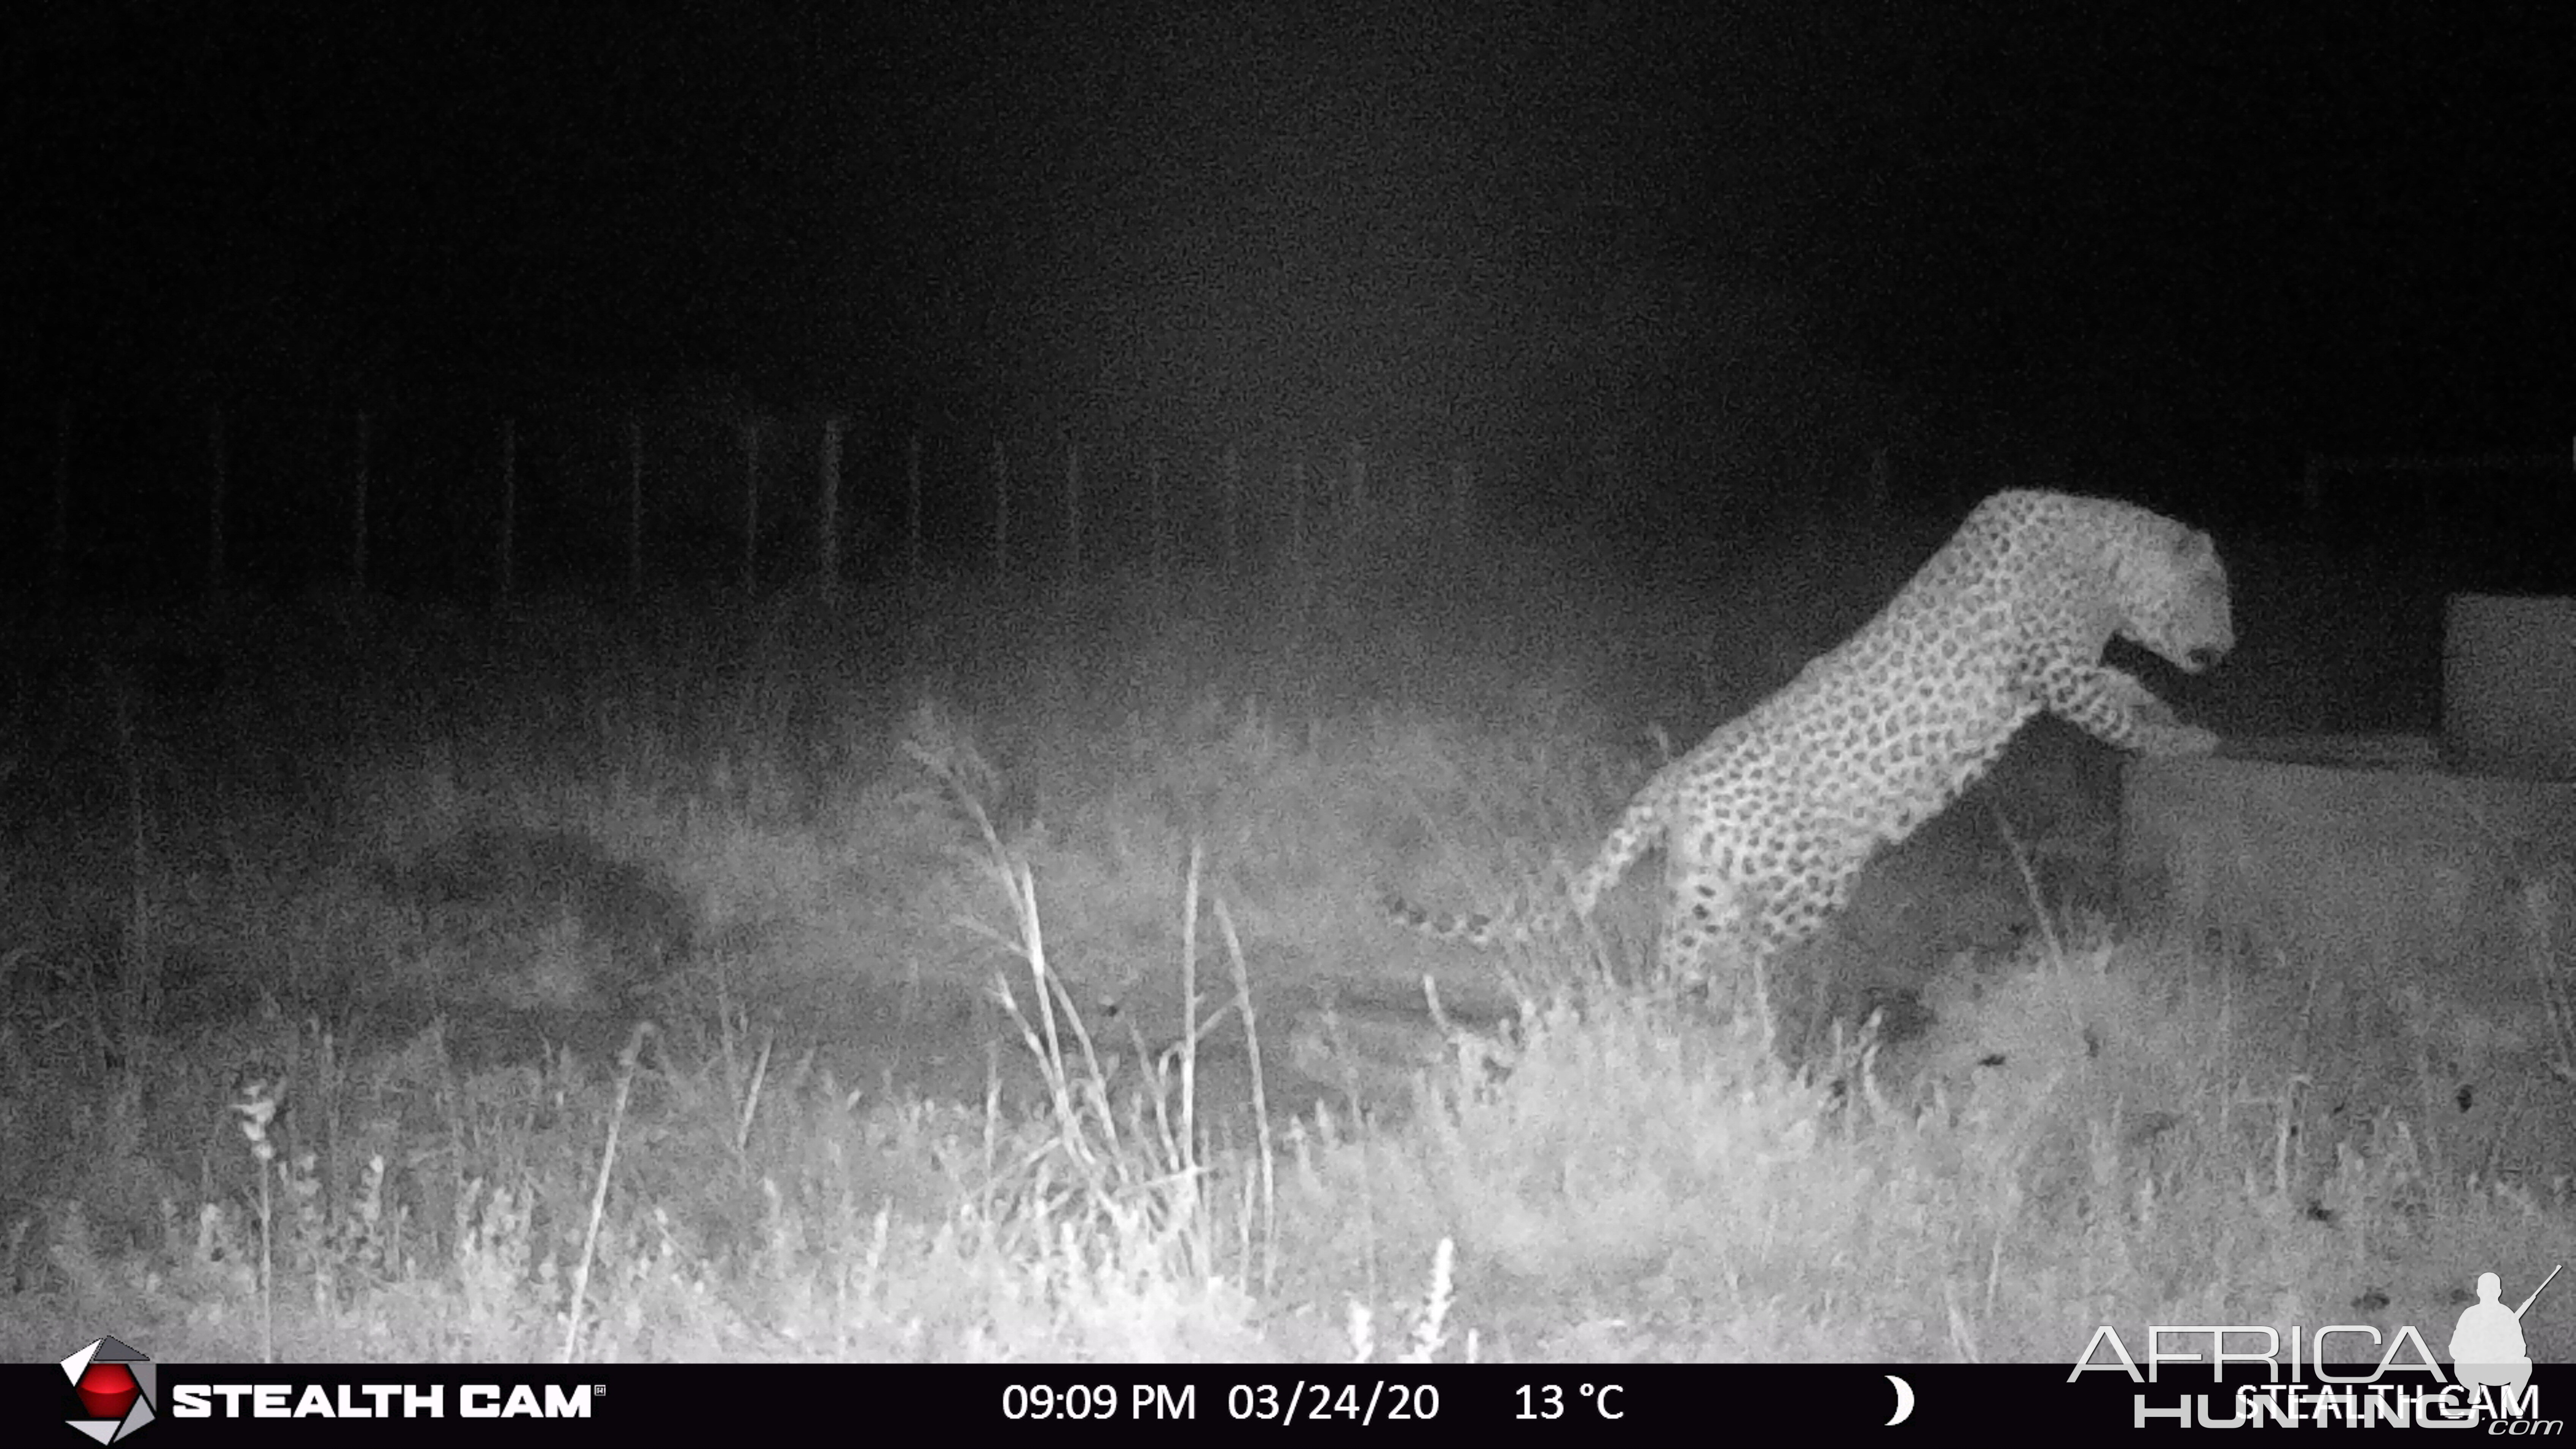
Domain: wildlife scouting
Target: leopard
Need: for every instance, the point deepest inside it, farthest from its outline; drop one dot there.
(1766, 824)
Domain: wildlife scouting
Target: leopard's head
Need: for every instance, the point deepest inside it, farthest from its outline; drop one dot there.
(2171, 593)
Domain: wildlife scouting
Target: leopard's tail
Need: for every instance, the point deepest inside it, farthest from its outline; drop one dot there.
(1522, 922)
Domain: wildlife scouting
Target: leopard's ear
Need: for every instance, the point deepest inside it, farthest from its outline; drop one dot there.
(2193, 548)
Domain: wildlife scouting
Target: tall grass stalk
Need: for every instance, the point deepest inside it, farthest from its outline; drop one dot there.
(626, 1061)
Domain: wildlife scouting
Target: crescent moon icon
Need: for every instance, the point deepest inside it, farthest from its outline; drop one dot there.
(1904, 1401)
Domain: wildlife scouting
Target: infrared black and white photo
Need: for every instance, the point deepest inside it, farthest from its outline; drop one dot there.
(1210, 683)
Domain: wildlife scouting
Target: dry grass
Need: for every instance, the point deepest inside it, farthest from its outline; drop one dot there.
(265, 1101)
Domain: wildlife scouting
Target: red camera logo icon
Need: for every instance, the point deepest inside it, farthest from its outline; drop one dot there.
(117, 1384)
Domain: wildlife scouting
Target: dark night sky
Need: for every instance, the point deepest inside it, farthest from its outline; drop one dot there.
(2245, 230)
